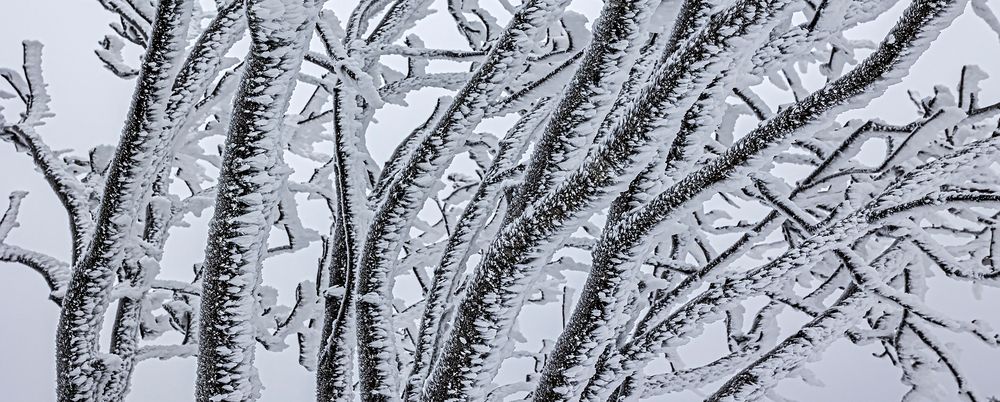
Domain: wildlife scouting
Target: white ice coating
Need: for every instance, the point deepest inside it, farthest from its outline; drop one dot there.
(88, 294)
(646, 166)
(406, 196)
(249, 192)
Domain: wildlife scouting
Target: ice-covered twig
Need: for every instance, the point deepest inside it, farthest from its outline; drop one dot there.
(136, 26)
(867, 278)
(164, 352)
(9, 220)
(424, 53)
(110, 54)
(56, 273)
(175, 286)
(947, 358)
(66, 186)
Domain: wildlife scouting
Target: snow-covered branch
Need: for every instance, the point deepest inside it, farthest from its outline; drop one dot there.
(589, 194)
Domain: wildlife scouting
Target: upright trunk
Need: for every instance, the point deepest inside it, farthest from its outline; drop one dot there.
(81, 370)
(246, 205)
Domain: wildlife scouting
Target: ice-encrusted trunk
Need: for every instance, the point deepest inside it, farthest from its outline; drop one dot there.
(336, 359)
(918, 26)
(497, 291)
(460, 244)
(377, 356)
(585, 102)
(252, 173)
(193, 79)
(81, 369)
(353, 110)
(599, 315)
(637, 143)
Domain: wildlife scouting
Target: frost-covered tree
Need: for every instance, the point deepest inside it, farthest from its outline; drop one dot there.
(671, 170)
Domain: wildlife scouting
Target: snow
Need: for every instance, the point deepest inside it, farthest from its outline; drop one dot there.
(248, 199)
(459, 248)
(641, 192)
(127, 185)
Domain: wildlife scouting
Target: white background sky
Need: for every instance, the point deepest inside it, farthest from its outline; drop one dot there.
(90, 105)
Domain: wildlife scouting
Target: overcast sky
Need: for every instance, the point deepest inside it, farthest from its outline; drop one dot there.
(90, 103)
